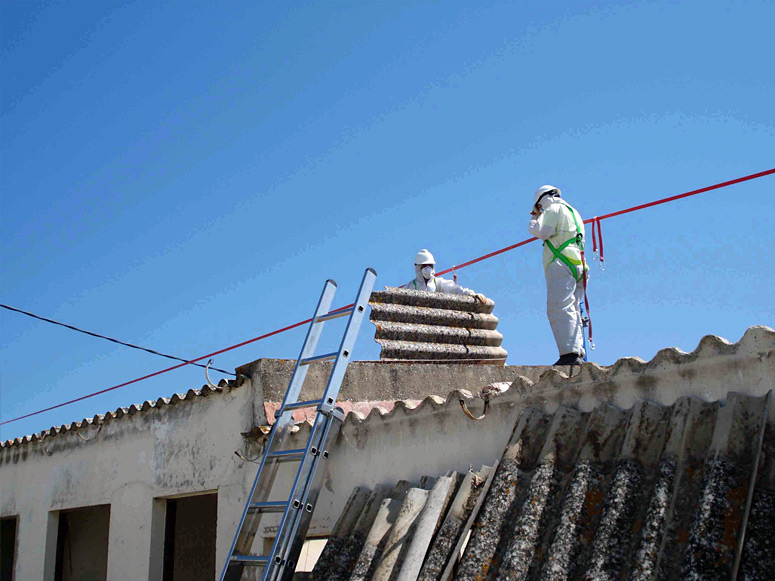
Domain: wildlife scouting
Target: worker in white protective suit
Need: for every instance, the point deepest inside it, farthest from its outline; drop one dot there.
(426, 280)
(561, 228)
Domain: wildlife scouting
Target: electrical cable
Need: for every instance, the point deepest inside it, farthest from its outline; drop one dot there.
(470, 262)
(111, 339)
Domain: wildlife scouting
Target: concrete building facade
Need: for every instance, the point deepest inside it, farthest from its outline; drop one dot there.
(154, 491)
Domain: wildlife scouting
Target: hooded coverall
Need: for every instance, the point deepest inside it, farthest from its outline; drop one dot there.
(559, 225)
(436, 284)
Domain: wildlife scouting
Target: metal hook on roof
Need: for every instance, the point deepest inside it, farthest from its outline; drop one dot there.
(241, 456)
(207, 375)
(42, 447)
(99, 429)
(467, 412)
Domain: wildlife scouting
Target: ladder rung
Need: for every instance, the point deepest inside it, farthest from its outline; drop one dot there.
(253, 560)
(316, 358)
(274, 506)
(302, 404)
(287, 454)
(334, 315)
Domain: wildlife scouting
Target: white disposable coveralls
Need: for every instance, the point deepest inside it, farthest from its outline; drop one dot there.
(564, 289)
(436, 284)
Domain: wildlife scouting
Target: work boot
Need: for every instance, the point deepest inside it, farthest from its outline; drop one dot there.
(570, 359)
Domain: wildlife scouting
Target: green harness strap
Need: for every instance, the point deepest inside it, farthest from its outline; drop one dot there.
(577, 239)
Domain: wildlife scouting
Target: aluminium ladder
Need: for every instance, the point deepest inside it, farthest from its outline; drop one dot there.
(297, 508)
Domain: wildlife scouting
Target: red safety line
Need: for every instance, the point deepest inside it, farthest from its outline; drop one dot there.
(486, 256)
(687, 194)
(277, 332)
(600, 238)
(469, 263)
(586, 300)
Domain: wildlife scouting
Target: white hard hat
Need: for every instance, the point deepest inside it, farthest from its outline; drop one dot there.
(424, 257)
(545, 190)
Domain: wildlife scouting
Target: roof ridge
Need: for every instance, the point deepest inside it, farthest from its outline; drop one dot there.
(549, 379)
(122, 411)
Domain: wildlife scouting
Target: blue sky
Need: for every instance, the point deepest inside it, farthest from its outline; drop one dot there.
(186, 175)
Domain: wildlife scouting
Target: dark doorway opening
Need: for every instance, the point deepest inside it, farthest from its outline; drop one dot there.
(8, 527)
(189, 538)
(82, 544)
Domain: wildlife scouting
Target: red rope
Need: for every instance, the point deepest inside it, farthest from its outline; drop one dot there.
(687, 194)
(278, 331)
(586, 301)
(600, 237)
(469, 263)
(490, 255)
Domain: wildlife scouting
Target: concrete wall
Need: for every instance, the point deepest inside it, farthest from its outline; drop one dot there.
(378, 380)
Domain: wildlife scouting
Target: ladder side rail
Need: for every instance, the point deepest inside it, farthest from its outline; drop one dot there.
(295, 521)
(310, 341)
(296, 504)
(348, 341)
(303, 519)
(316, 433)
(283, 423)
(337, 374)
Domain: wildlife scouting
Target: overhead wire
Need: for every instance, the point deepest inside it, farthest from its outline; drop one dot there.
(595, 219)
(111, 339)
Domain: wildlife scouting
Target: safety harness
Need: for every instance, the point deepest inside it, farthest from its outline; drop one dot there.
(578, 240)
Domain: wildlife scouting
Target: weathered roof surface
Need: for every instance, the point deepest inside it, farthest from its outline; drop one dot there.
(360, 409)
(620, 382)
(99, 419)
(421, 325)
(681, 491)
(715, 367)
(366, 387)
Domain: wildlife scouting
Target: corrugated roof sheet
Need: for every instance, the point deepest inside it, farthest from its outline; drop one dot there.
(422, 325)
(682, 491)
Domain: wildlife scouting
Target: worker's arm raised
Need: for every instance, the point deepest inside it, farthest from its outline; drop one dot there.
(544, 225)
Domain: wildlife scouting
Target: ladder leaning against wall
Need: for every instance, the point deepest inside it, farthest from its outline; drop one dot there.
(297, 507)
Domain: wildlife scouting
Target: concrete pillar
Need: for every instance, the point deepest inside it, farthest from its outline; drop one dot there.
(231, 504)
(158, 522)
(131, 524)
(36, 540)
